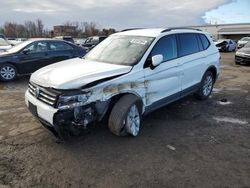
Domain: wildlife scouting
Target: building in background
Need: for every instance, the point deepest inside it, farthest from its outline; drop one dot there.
(62, 30)
(226, 31)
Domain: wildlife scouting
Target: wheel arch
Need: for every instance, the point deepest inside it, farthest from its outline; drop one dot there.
(11, 63)
(116, 97)
(213, 70)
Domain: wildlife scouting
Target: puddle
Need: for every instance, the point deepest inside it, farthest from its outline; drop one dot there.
(230, 120)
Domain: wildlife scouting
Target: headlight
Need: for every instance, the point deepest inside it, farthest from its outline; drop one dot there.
(72, 101)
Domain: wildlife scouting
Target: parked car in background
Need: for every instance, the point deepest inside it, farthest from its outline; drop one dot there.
(243, 54)
(91, 42)
(31, 55)
(226, 45)
(2, 36)
(14, 41)
(66, 38)
(80, 41)
(129, 74)
(4, 45)
(242, 42)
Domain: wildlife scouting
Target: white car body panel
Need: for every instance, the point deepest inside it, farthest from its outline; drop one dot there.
(44, 111)
(149, 85)
(164, 80)
(82, 73)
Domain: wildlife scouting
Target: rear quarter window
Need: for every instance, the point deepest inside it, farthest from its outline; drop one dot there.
(205, 42)
(188, 44)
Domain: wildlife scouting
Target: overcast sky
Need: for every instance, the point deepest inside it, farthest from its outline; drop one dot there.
(127, 13)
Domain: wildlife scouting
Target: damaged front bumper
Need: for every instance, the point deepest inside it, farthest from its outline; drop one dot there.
(68, 122)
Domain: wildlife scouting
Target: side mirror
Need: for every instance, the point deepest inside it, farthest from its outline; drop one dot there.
(26, 51)
(157, 60)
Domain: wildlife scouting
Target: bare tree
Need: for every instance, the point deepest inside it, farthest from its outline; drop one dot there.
(40, 28)
(32, 29)
(10, 29)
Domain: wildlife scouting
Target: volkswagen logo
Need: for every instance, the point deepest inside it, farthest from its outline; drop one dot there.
(37, 92)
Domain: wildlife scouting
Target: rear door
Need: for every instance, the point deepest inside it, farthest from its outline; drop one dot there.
(192, 60)
(59, 51)
(163, 83)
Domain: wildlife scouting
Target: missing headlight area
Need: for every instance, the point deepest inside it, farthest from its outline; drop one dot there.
(71, 122)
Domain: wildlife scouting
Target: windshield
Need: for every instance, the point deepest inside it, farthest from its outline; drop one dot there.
(121, 50)
(3, 42)
(246, 39)
(247, 45)
(19, 46)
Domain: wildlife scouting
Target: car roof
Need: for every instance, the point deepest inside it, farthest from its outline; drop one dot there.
(155, 32)
(45, 39)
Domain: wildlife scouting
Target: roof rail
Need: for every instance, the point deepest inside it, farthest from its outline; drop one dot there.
(175, 28)
(130, 29)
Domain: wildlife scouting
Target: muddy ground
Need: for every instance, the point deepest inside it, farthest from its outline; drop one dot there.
(189, 143)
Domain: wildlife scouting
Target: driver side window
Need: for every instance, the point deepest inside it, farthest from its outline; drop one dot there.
(167, 47)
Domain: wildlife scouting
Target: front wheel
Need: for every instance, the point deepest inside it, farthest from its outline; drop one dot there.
(125, 117)
(206, 86)
(7, 72)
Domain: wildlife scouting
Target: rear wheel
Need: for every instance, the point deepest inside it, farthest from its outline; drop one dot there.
(207, 85)
(7, 72)
(125, 117)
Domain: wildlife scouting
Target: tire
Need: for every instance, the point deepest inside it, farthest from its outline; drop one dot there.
(8, 72)
(125, 117)
(206, 86)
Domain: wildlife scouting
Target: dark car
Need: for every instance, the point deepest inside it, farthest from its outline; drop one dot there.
(31, 55)
(226, 45)
(2, 36)
(243, 55)
(91, 42)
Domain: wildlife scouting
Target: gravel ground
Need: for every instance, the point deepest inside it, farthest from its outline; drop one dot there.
(188, 143)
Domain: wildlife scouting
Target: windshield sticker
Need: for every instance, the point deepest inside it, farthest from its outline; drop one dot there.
(138, 41)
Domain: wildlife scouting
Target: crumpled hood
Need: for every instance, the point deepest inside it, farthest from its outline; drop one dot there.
(75, 73)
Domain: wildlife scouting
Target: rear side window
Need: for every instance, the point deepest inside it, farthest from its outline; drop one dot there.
(188, 44)
(166, 46)
(205, 42)
(59, 46)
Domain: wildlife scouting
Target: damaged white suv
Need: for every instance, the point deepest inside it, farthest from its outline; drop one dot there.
(128, 75)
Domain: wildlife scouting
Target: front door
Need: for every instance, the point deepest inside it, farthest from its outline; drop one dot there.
(34, 57)
(163, 83)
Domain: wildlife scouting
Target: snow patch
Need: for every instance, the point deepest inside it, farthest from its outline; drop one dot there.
(230, 120)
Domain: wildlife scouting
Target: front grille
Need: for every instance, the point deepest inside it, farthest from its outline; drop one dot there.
(43, 94)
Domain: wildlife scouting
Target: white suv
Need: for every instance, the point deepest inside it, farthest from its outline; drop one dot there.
(129, 74)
